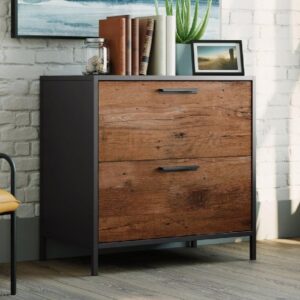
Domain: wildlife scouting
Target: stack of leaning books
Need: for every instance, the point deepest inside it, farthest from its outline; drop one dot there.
(142, 45)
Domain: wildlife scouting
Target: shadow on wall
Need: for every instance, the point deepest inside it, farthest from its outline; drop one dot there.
(288, 221)
(278, 209)
(288, 211)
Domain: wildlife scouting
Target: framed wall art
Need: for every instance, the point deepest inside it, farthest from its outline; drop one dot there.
(79, 18)
(213, 57)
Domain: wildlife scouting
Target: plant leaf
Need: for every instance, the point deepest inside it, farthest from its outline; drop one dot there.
(188, 17)
(171, 7)
(204, 23)
(167, 5)
(185, 19)
(195, 20)
(156, 7)
(179, 23)
(178, 39)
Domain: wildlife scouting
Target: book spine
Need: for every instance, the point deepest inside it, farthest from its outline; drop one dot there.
(128, 46)
(171, 46)
(158, 57)
(147, 47)
(135, 47)
(114, 31)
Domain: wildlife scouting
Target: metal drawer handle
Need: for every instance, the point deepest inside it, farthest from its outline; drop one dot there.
(178, 168)
(178, 91)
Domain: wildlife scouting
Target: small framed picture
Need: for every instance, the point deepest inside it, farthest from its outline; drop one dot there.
(217, 57)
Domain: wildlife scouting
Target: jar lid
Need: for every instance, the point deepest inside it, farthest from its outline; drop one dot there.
(94, 40)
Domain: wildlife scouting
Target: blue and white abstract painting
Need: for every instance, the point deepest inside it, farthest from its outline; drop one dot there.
(79, 18)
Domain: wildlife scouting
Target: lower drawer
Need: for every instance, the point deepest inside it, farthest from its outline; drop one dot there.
(153, 199)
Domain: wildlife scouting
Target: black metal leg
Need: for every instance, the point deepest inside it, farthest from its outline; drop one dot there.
(188, 244)
(194, 244)
(191, 244)
(43, 248)
(252, 247)
(94, 261)
(13, 280)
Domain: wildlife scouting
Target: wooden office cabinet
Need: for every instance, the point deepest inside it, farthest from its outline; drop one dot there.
(146, 160)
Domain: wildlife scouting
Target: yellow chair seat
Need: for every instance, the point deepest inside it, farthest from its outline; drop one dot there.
(8, 203)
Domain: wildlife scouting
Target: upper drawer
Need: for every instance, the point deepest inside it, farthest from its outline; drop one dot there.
(139, 122)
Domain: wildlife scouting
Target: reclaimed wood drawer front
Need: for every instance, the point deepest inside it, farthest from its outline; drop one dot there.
(139, 201)
(137, 122)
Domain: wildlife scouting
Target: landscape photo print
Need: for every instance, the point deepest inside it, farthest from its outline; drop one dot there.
(80, 18)
(218, 57)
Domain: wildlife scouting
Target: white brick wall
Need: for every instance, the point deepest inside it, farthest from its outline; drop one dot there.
(270, 31)
(271, 40)
(22, 61)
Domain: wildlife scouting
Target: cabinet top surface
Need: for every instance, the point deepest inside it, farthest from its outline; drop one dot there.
(148, 78)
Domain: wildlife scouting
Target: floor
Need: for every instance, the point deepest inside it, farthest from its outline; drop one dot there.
(209, 272)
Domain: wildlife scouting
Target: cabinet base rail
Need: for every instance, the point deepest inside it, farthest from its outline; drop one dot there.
(190, 242)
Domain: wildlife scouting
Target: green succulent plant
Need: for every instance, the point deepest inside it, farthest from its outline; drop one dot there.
(188, 28)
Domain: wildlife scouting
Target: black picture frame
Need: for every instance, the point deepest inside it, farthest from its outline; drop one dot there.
(14, 19)
(240, 58)
(15, 33)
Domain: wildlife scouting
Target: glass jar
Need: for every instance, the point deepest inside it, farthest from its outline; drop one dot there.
(96, 56)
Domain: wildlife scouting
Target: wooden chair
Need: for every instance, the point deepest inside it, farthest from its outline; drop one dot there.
(8, 206)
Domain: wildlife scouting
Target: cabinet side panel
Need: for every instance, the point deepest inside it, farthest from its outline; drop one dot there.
(68, 171)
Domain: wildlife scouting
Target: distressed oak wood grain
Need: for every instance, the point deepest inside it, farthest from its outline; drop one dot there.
(139, 202)
(139, 123)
